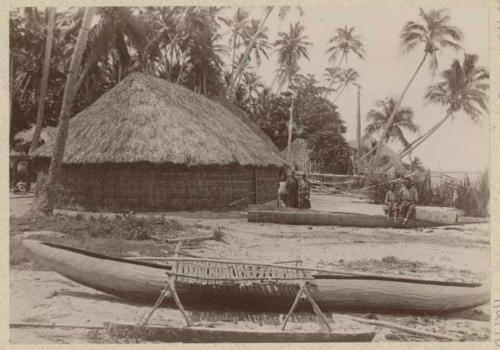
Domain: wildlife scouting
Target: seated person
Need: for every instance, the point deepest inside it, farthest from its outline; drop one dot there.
(391, 203)
(408, 199)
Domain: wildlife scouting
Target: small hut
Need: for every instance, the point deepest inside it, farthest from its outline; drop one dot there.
(150, 145)
(300, 155)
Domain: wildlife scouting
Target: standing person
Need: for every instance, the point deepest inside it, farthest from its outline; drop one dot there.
(304, 193)
(391, 203)
(282, 191)
(292, 187)
(408, 199)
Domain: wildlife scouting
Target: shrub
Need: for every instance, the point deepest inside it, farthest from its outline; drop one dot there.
(473, 198)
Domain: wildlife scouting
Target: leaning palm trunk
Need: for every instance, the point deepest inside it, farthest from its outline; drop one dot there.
(48, 194)
(243, 62)
(11, 87)
(393, 114)
(290, 133)
(45, 80)
(412, 146)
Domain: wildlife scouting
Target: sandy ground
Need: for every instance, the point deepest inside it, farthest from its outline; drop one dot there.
(450, 253)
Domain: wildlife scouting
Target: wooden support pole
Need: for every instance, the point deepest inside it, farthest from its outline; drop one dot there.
(323, 322)
(171, 282)
(294, 305)
(317, 310)
(164, 294)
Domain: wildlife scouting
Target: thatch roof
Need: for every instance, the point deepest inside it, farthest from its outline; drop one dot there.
(147, 119)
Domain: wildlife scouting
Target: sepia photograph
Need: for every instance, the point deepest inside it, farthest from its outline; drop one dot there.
(266, 174)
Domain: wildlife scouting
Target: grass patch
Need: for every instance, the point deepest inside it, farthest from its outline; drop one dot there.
(123, 227)
(126, 235)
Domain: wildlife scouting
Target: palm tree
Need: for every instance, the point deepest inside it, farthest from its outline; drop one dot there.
(433, 33)
(283, 11)
(378, 120)
(47, 199)
(260, 47)
(332, 75)
(416, 165)
(346, 78)
(291, 47)
(463, 88)
(342, 44)
(253, 85)
(117, 29)
(237, 25)
(261, 44)
(45, 79)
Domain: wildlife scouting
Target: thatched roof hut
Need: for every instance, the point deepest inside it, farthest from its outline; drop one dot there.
(154, 136)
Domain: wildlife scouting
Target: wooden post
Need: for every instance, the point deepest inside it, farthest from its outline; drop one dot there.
(254, 186)
(14, 172)
(28, 174)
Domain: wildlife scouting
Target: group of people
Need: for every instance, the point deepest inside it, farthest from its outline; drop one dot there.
(294, 192)
(402, 204)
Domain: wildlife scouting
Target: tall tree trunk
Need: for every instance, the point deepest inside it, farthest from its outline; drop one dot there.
(48, 197)
(11, 89)
(204, 83)
(181, 68)
(45, 80)
(358, 128)
(290, 133)
(83, 75)
(234, 55)
(246, 54)
(393, 114)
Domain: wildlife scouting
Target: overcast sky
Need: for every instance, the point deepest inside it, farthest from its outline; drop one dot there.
(459, 145)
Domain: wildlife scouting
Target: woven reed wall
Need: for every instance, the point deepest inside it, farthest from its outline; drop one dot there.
(145, 187)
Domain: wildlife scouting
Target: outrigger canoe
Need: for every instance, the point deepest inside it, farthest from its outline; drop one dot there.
(225, 285)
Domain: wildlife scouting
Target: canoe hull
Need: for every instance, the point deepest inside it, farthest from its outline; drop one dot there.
(221, 335)
(315, 218)
(142, 282)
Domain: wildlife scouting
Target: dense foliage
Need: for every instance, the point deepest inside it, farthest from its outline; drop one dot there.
(203, 49)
